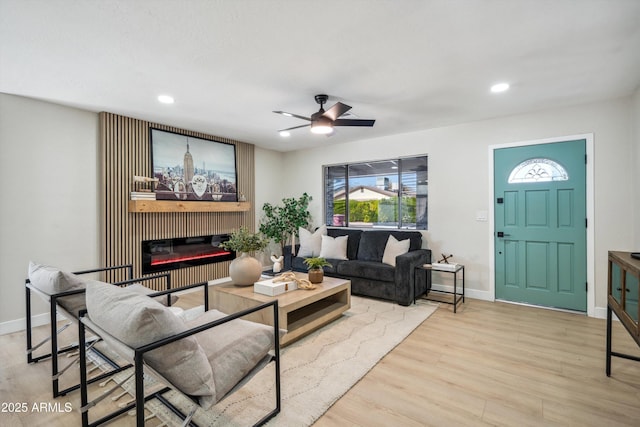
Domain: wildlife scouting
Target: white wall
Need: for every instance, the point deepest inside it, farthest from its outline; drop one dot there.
(269, 188)
(459, 179)
(49, 174)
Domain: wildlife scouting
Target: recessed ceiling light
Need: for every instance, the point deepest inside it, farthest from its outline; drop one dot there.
(166, 99)
(285, 133)
(499, 87)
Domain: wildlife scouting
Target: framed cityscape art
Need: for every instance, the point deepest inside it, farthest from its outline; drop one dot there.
(191, 168)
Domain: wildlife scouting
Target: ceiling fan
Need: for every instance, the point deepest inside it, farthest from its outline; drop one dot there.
(323, 122)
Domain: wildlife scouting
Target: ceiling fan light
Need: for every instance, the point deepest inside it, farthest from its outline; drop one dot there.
(321, 125)
(321, 129)
(285, 133)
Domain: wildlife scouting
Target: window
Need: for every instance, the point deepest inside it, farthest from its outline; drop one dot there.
(538, 170)
(379, 194)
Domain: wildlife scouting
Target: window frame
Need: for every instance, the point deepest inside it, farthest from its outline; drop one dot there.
(421, 218)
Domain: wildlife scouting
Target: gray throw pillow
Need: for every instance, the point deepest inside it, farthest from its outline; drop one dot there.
(50, 280)
(137, 320)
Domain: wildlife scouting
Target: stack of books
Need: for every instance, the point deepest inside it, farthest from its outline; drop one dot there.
(444, 266)
(143, 195)
(452, 266)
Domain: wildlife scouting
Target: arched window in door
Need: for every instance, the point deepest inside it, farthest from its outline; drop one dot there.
(538, 170)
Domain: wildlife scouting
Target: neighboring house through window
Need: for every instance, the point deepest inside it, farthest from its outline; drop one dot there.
(379, 194)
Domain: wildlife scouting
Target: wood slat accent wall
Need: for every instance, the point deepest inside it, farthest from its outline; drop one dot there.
(125, 151)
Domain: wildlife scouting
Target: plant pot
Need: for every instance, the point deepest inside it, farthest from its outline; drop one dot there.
(245, 270)
(316, 275)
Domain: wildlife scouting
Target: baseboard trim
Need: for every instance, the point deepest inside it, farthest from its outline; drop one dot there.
(599, 313)
(19, 325)
(468, 293)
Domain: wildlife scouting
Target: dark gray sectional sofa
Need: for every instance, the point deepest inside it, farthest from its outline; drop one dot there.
(364, 267)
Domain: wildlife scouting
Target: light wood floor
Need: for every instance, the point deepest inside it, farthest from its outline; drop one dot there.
(489, 364)
(498, 364)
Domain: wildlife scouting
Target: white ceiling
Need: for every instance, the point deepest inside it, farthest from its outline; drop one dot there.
(409, 64)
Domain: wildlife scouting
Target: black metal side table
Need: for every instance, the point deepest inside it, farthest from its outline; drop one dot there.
(457, 296)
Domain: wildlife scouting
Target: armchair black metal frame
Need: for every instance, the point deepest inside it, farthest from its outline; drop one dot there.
(139, 353)
(54, 307)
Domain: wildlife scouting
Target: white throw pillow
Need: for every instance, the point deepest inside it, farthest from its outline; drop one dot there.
(334, 248)
(393, 249)
(310, 243)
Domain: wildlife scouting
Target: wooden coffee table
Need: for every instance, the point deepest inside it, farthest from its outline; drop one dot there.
(299, 312)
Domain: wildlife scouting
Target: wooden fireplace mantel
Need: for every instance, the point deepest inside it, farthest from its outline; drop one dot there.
(151, 206)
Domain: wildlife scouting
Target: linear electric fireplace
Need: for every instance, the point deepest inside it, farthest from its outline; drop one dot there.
(171, 254)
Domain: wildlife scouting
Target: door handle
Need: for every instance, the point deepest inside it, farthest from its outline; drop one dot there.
(502, 234)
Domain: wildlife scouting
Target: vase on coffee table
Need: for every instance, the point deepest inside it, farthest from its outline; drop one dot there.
(245, 270)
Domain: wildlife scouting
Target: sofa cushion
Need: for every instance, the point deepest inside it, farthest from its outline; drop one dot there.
(415, 238)
(373, 243)
(367, 270)
(297, 264)
(334, 247)
(310, 243)
(333, 268)
(393, 249)
(50, 280)
(137, 320)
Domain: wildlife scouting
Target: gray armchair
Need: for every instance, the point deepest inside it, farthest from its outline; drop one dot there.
(64, 292)
(205, 358)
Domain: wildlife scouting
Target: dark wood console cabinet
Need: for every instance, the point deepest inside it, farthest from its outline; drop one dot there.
(622, 299)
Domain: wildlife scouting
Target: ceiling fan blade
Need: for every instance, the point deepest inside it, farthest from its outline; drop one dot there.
(337, 110)
(353, 122)
(295, 127)
(284, 113)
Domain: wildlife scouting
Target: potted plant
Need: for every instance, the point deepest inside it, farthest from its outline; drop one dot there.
(245, 270)
(281, 222)
(314, 265)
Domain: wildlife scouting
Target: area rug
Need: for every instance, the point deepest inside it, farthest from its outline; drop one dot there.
(316, 370)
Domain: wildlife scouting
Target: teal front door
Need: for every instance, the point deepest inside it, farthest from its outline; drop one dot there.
(540, 224)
